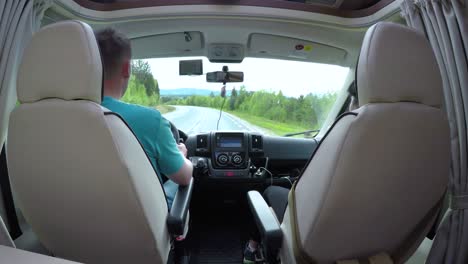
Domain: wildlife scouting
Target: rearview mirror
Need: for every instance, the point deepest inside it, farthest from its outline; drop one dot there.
(225, 77)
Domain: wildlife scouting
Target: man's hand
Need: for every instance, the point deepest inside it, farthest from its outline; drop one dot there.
(182, 149)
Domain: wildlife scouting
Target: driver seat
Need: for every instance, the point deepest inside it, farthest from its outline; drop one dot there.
(83, 181)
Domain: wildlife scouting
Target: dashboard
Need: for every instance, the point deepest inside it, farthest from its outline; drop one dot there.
(227, 155)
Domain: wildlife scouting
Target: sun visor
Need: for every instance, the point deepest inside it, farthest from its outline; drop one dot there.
(280, 47)
(168, 45)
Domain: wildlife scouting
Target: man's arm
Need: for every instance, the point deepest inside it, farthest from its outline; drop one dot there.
(184, 174)
(171, 156)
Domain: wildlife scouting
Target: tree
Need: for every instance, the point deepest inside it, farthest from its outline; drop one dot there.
(156, 89)
(142, 72)
(234, 92)
(232, 99)
(136, 94)
(241, 97)
(307, 111)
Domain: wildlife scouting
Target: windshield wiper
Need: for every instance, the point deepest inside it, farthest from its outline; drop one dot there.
(306, 133)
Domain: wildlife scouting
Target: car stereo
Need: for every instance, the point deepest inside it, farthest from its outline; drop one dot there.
(230, 150)
(229, 141)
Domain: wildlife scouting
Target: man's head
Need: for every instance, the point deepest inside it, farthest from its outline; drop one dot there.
(116, 55)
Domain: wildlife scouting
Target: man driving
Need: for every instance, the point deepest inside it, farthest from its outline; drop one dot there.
(152, 130)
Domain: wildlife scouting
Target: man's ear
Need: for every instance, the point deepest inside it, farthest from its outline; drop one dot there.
(126, 69)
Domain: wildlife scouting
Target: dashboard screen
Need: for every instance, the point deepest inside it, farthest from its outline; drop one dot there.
(229, 142)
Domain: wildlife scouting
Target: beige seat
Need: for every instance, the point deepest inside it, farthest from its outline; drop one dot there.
(5, 238)
(12, 255)
(374, 183)
(82, 180)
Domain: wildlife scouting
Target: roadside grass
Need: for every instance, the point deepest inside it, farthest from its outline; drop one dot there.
(276, 127)
(165, 108)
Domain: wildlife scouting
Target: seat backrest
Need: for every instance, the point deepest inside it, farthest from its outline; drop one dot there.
(5, 238)
(381, 168)
(81, 177)
(12, 255)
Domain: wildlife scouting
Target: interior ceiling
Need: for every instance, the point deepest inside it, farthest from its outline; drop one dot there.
(150, 39)
(336, 4)
(339, 8)
(156, 37)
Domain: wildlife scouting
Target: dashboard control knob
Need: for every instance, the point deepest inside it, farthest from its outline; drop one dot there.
(237, 159)
(201, 163)
(223, 159)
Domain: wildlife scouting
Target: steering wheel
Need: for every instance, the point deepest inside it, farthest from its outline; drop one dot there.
(175, 132)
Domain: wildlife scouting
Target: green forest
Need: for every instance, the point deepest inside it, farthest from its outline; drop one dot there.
(270, 110)
(305, 112)
(142, 88)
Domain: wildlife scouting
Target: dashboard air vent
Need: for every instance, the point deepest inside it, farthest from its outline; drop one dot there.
(257, 142)
(202, 141)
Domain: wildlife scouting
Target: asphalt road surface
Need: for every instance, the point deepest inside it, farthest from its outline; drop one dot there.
(194, 119)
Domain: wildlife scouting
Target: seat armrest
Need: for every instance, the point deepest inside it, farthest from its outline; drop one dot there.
(177, 217)
(267, 223)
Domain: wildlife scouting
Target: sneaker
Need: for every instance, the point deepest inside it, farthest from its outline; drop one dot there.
(252, 257)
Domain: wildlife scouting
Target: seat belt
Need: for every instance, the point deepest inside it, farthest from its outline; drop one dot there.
(7, 195)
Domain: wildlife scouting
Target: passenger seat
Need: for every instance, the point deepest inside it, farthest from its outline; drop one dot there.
(13, 255)
(5, 238)
(376, 182)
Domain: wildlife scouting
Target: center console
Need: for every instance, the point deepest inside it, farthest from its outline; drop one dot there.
(227, 154)
(230, 150)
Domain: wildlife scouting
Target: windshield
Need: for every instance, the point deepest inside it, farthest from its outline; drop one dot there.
(277, 97)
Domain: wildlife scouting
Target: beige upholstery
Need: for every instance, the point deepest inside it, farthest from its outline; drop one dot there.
(71, 75)
(82, 180)
(5, 238)
(397, 66)
(12, 255)
(381, 169)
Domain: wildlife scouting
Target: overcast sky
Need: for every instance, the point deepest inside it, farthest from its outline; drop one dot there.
(291, 77)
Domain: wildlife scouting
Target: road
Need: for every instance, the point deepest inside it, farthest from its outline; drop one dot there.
(194, 119)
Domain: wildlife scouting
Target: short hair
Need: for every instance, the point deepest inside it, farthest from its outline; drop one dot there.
(115, 48)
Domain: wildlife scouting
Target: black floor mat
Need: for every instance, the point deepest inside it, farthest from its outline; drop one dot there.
(218, 236)
(220, 245)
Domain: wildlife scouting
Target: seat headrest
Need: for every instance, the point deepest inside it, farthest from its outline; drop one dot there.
(397, 64)
(61, 61)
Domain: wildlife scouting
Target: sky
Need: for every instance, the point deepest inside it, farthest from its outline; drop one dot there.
(291, 77)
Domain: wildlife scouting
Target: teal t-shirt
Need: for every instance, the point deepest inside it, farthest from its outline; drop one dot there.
(154, 133)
